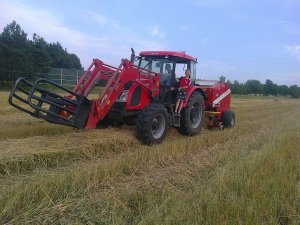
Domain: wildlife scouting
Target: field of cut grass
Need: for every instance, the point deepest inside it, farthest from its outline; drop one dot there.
(50, 174)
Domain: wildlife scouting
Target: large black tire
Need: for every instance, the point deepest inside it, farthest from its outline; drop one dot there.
(228, 119)
(192, 115)
(151, 124)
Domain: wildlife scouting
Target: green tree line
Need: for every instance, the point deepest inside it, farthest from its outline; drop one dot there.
(258, 88)
(20, 56)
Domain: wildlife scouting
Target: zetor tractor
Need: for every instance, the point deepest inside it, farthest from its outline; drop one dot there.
(140, 91)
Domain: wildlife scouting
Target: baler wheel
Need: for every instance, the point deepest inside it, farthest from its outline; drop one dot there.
(151, 124)
(228, 119)
(192, 115)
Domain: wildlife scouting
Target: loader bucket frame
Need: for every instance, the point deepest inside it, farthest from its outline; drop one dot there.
(70, 111)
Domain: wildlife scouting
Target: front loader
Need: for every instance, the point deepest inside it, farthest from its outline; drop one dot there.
(140, 91)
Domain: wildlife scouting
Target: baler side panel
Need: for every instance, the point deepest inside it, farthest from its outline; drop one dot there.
(218, 97)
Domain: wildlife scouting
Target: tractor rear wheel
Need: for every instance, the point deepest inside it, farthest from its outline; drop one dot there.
(228, 119)
(151, 124)
(192, 115)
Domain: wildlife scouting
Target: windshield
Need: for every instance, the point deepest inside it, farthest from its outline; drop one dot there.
(155, 64)
(162, 66)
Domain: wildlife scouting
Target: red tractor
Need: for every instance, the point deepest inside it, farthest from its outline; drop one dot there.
(141, 91)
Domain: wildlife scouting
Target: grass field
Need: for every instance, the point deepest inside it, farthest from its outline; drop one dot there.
(50, 174)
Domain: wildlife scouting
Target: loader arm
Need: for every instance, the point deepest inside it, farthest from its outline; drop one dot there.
(126, 72)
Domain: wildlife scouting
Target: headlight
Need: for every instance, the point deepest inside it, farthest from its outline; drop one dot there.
(123, 96)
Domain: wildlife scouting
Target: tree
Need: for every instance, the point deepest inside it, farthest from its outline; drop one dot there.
(254, 86)
(14, 36)
(76, 62)
(235, 87)
(268, 88)
(14, 54)
(60, 58)
(294, 91)
(243, 89)
(275, 90)
(222, 79)
(22, 57)
(39, 53)
(283, 90)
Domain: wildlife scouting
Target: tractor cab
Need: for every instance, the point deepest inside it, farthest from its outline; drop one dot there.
(169, 64)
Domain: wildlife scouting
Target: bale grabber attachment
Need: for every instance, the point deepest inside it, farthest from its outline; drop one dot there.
(41, 101)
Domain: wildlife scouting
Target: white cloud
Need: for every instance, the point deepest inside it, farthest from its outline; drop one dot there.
(294, 50)
(156, 32)
(106, 45)
(105, 21)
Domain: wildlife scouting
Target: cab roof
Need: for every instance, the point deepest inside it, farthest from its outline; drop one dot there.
(168, 53)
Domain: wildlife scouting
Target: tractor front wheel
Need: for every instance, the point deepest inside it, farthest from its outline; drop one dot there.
(151, 124)
(192, 115)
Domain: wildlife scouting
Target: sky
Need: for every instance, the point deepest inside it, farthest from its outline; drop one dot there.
(241, 40)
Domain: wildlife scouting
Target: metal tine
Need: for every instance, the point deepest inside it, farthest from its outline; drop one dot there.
(23, 109)
(19, 107)
(22, 90)
(20, 98)
(50, 103)
(56, 85)
(42, 91)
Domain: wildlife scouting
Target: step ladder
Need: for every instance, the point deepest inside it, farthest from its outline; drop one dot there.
(175, 118)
